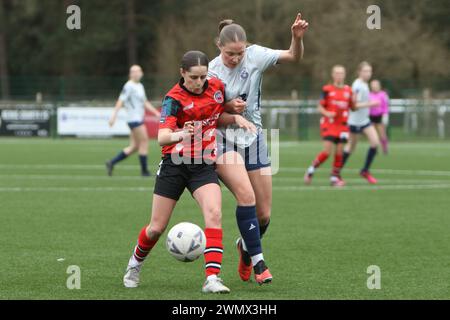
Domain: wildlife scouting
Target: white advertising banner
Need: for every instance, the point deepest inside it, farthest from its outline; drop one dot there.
(88, 121)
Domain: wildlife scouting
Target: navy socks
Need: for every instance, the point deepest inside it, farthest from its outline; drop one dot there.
(143, 161)
(249, 228)
(369, 158)
(122, 155)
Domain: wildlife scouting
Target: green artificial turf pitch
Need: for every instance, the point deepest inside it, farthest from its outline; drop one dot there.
(58, 208)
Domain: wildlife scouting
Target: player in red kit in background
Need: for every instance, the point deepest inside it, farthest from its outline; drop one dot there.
(335, 103)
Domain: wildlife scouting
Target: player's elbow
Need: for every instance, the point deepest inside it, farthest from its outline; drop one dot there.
(162, 139)
(296, 58)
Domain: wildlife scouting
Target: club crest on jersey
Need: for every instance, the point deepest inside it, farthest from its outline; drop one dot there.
(346, 95)
(218, 96)
(244, 74)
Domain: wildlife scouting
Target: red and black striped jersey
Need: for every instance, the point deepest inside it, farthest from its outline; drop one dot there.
(338, 100)
(180, 106)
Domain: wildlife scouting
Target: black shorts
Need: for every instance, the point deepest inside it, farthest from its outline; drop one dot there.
(376, 119)
(335, 140)
(172, 179)
(359, 129)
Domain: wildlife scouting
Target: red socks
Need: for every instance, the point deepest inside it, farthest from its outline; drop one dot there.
(321, 158)
(337, 165)
(213, 251)
(144, 245)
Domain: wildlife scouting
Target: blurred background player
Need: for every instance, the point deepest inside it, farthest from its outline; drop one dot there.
(243, 163)
(379, 115)
(334, 105)
(134, 99)
(359, 120)
(193, 99)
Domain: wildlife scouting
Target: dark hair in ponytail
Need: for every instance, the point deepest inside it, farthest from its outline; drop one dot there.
(225, 23)
(230, 32)
(194, 58)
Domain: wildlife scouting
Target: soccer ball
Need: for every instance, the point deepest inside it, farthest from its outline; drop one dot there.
(186, 241)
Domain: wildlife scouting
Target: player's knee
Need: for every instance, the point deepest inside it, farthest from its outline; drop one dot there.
(143, 146)
(245, 197)
(375, 144)
(213, 217)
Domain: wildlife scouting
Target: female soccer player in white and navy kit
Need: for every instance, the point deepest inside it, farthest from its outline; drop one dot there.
(243, 164)
(359, 120)
(134, 99)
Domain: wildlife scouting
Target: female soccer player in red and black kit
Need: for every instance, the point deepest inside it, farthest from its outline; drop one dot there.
(335, 103)
(190, 113)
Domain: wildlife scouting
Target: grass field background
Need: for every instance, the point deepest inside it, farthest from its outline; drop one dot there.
(56, 202)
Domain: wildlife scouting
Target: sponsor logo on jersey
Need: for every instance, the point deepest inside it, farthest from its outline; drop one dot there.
(211, 120)
(218, 96)
(340, 104)
(189, 106)
(244, 74)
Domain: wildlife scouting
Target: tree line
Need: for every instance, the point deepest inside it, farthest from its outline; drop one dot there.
(412, 46)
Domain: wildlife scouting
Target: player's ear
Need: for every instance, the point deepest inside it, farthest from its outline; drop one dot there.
(182, 72)
(217, 42)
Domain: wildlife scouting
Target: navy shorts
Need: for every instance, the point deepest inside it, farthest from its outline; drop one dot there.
(359, 129)
(135, 124)
(256, 156)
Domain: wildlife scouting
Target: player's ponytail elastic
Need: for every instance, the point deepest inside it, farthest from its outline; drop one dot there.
(192, 59)
(225, 23)
(230, 32)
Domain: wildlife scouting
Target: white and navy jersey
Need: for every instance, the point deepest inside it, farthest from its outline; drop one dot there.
(245, 81)
(133, 97)
(361, 91)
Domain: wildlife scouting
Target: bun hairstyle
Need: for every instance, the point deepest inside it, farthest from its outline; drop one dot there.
(194, 58)
(230, 32)
(225, 23)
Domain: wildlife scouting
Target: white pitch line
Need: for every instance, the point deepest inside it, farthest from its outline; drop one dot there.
(69, 177)
(276, 188)
(382, 171)
(282, 169)
(402, 145)
(70, 189)
(276, 179)
(365, 188)
(64, 166)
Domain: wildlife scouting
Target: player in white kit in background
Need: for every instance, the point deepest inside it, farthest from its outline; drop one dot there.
(134, 99)
(243, 163)
(359, 120)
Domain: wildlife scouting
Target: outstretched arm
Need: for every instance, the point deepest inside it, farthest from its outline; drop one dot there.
(295, 52)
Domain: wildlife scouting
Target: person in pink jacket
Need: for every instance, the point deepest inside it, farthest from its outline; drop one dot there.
(379, 114)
